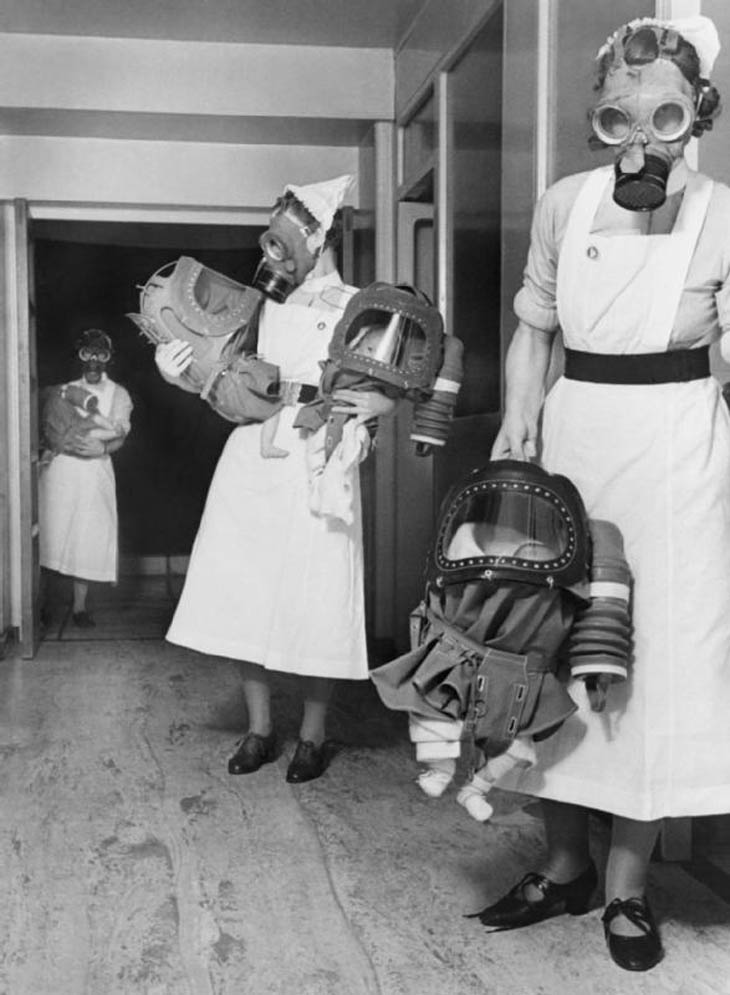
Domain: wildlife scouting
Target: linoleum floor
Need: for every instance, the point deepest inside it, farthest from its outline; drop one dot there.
(131, 863)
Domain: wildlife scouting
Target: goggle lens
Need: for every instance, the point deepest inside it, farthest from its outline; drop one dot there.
(670, 121)
(100, 355)
(273, 248)
(612, 124)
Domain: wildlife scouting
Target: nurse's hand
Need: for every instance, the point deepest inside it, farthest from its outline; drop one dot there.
(516, 439)
(363, 405)
(173, 358)
(87, 448)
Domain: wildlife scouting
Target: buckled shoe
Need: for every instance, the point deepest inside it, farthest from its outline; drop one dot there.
(633, 953)
(515, 910)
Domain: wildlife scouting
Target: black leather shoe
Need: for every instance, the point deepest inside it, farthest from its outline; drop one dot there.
(253, 751)
(514, 910)
(309, 762)
(83, 620)
(633, 953)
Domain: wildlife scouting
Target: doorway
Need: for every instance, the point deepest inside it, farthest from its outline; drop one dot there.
(87, 275)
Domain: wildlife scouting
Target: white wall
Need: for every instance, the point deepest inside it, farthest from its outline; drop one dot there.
(85, 79)
(169, 77)
(83, 170)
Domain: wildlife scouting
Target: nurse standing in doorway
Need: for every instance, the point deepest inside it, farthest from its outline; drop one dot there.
(77, 488)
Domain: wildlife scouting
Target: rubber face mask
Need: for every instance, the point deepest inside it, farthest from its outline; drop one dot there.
(390, 334)
(94, 352)
(647, 115)
(291, 246)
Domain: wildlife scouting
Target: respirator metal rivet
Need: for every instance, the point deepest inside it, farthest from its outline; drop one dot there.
(592, 252)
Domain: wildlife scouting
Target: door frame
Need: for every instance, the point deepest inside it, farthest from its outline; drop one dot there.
(21, 571)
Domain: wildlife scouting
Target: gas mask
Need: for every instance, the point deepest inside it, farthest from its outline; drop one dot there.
(94, 349)
(392, 335)
(512, 521)
(646, 113)
(649, 132)
(510, 577)
(291, 246)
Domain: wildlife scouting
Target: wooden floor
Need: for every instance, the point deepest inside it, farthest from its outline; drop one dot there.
(131, 862)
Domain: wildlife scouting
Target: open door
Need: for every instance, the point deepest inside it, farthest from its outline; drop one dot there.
(24, 546)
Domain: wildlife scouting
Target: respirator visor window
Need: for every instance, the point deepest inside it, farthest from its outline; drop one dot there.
(391, 339)
(505, 526)
(667, 121)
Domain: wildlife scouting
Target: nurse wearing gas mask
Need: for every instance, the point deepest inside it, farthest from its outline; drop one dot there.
(270, 584)
(632, 262)
(77, 489)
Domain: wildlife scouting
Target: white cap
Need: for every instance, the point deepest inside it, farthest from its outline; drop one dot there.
(323, 199)
(699, 31)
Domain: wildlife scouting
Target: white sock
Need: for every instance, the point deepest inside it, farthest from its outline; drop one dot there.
(472, 797)
(436, 778)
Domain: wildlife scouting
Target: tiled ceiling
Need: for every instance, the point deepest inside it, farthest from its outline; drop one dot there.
(348, 23)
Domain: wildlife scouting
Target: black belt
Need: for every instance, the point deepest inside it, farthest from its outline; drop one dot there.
(674, 366)
(292, 392)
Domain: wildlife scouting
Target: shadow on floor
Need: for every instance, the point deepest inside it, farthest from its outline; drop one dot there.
(137, 607)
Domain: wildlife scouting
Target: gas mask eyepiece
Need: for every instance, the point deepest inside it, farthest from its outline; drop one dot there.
(94, 349)
(94, 355)
(667, 120)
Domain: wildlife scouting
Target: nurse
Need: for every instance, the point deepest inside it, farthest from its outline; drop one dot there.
(632, 262)
(77, 489)
(270, 583)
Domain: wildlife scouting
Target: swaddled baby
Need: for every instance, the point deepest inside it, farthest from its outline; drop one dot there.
(69, 414)
(438, 742)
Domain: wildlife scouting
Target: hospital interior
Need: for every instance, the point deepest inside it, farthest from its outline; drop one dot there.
(135, 134)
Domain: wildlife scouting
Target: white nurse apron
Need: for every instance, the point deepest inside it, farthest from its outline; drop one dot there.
(77, 508)
(655, 460)
(269, 581)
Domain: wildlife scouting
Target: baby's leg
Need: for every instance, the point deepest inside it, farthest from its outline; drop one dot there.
(473, 794)
(268, 434)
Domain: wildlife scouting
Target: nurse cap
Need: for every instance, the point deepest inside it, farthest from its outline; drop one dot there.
(699, 31)
(322, 200)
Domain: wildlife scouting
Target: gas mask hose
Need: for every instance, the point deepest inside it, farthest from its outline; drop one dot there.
(599, 645)
(432, 418)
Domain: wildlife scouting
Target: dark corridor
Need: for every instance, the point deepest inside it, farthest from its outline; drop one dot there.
(87, 275)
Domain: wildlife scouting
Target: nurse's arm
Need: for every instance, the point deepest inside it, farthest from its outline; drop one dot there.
(526, 366)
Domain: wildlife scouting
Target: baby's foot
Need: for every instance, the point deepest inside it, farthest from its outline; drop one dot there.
(475, 803)
(434, 782)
